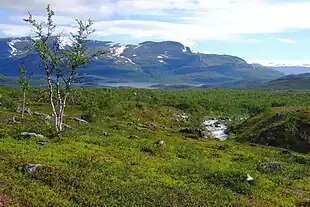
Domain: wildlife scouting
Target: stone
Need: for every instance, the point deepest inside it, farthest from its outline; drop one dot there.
(67, 127)
(134, 137)
(30, 168)
(161, 142)
(104, 133)
(150, 124)
(14, 119)
(31, 135)
(42, 115)
(192, 131)
(286, 152)
(249, 178)
(78, 120)
(270, 167)
(43, 143)
(26, 111)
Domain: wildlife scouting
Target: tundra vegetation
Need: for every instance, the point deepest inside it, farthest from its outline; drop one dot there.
(124, 147)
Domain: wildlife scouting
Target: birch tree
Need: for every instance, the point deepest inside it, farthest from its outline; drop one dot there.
(60, 63)
(24, 78)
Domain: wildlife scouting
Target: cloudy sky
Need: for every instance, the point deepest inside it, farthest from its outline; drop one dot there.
(252, 29)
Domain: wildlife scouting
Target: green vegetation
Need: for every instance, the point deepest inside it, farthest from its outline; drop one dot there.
(116, 159)
(286, 127)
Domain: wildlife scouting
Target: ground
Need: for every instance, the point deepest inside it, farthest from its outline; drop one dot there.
(116, 159)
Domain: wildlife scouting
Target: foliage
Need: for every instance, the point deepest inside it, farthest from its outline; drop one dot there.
(85, 167)
(60, 64)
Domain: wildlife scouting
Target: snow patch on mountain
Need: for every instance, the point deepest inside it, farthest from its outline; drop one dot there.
(13, 50)
(65, 41)
(161, 61)
(120, 50)
(159, 57)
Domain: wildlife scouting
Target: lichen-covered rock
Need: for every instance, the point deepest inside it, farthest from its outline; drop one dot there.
(31, 135)
(30, 168)
(42, 115)
(26, 111)
(270, 167)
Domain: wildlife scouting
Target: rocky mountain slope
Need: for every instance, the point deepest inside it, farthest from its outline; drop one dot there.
(156, 62)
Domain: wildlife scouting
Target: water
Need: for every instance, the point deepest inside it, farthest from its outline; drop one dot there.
(216, 128)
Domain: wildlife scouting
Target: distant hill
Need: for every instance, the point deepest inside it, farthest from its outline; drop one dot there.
(165, 62)
(289, 82)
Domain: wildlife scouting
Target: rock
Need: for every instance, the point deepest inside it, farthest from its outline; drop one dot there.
(78, 120)
(161, 142)
(26, 111)
(278, 116)
(286, 152)
(270, 167)
(31, 134)
(30, 168)
(42, 115)
(150, 124)
(14, 119)
(104, 133)
(43, 143)
(197, 131)
(249, 178)
(66, 127)
(134, 137)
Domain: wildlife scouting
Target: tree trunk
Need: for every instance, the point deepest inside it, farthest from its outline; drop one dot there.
(50, 86)
(24, 103)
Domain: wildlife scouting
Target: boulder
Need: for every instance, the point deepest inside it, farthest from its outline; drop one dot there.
(31, 135)
(26, 111)
(43, 143)
(134, 137)
(197, 131)
(67, 127)
(30, 168)
(104, 133)
(42, 115)
(78, 120)
(270, 167)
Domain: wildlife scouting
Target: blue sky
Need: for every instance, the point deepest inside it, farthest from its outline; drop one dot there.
(256, 30)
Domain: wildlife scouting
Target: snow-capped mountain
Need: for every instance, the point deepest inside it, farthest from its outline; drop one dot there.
(144, 62)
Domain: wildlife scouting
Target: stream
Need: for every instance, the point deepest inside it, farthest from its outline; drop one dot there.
(216, 128)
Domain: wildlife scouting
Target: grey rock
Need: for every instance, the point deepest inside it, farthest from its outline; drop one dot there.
(67, 127)
(26, 111)
(30, 168)
(197, 131)
(78, 120)
(14, 119)
(31, 134)
(104, 133)
(286, 152)
(42, 115)
(134, 137)
(270, 167)
(43, 143)
(150, 124)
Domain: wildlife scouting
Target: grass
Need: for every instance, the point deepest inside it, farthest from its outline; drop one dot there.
(84, 167)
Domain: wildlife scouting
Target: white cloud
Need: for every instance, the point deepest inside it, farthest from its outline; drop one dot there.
(305, 63)
(286, 40)
(187, 21)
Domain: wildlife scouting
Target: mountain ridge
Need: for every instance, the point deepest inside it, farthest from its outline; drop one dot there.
(148, 61)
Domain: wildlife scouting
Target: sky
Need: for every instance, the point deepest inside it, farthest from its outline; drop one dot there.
(261, 31)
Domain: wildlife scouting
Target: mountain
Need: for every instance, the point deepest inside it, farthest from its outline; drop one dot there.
(293, 67)
(289, 82)
(148, 62)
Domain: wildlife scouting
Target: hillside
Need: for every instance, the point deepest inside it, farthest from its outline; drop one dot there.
(289, 82)
(132, 152)
(155, 62)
